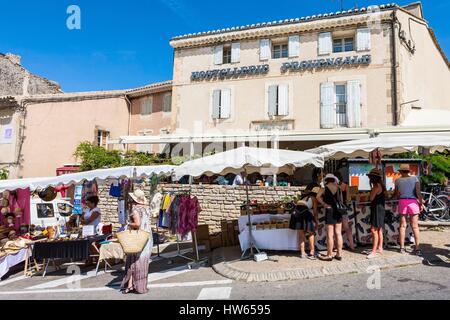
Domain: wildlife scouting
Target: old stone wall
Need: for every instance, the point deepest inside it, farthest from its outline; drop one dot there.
(17, 81)
(218, 202)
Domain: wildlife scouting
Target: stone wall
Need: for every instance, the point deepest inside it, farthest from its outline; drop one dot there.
(218, 202)
(17, 81)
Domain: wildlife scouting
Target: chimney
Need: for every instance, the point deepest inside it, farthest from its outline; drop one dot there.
(14, 58)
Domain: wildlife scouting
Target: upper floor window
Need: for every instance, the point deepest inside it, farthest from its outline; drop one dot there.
(278, 100)
(343, 45)
(167, 103)
(102, 138)
(345, 41)
(340, 104)
(229, 53)
(280, 51)
(221, 104)
(146, 106)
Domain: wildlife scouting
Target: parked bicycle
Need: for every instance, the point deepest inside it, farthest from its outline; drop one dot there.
(436, 206)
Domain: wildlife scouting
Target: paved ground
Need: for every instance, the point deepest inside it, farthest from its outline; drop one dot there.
(177, 281)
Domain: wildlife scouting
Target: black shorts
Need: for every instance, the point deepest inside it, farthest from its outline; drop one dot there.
(302, 219)
(332, 216)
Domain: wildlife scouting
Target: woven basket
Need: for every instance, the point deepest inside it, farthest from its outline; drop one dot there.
(133, 241)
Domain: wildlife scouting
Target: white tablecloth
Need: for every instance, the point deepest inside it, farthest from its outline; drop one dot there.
(12, 260)
(275, 239)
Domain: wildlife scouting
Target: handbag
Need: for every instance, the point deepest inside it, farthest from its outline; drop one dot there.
(133, 241)
(340, 205)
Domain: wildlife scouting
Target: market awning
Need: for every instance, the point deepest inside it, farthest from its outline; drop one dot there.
(104, 174)
(266, 161)
(387, 144)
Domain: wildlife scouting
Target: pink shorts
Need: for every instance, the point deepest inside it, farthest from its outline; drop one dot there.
(408, 207)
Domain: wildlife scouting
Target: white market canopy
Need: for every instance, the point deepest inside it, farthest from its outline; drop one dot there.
(264, 161)
(76, 178)
(387, 144)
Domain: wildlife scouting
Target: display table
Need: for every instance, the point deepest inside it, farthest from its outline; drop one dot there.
(274, 239)
(12, 260)
(77, 250)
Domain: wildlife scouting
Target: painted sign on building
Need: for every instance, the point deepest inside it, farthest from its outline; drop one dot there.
(229, 73)
(326, 63)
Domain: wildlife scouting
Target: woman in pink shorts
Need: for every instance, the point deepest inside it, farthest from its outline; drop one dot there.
(407, 190)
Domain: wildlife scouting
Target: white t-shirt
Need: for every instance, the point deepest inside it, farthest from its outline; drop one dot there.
(97, 221)
(238, 181)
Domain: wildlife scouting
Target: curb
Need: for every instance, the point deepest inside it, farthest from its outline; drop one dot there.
(434, 224)
(227, 270)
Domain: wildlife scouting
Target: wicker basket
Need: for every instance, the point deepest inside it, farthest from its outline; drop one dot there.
(133, 241)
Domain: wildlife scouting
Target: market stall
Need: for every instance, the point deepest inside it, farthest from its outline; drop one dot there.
(372, 152)
(265, 162)
(61, 241)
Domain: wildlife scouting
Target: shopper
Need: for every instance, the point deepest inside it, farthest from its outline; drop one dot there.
(345, 219)
(305, 221)
(377, 211)
(92, 217)
(408, 191)
(137, 265)
(328, 198)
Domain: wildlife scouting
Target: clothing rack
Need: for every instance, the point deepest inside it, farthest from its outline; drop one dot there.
(186, 192)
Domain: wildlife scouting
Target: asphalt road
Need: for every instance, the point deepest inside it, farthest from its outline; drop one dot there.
(418, 282)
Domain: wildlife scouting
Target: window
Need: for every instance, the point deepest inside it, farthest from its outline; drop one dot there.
(280, 51)
(102, 138)
(341, 105)
(146, 106)
(227, 54)
(221, 104)
(343, 45)
(167, 104)
(45, 211)
(279, 100)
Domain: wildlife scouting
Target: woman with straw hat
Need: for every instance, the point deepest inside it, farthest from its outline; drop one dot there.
(136, 265)
(408, 191)
(377, 211)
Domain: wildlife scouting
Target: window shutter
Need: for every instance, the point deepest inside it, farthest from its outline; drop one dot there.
(146, 106)
(225, 105)
(235, 52)
(218, 55)
(354, 104)
(327, 109)
(294, 46)
(273, 99)
(363, 39)
(216, 104)
(283, 100)
(264, 50)
(168, 102)
(325, 43)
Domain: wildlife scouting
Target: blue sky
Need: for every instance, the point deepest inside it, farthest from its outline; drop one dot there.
(125, 44)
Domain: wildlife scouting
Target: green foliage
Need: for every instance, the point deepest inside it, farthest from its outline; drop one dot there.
(4, 174)
(440, 168)
(94, 157)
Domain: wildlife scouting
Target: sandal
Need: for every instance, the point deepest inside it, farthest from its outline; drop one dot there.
(127, 291)
(326, 258)
(338, 258)
(312, 257)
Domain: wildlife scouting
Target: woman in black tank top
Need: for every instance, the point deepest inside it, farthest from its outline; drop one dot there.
(328, 198)
(377, 212)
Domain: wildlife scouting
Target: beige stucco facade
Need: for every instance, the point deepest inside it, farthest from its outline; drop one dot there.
(55, 129)
(423, 76)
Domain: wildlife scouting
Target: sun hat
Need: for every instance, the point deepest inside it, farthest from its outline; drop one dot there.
(375, 173)
(405, 167)
(331, 177)
(139, 197)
